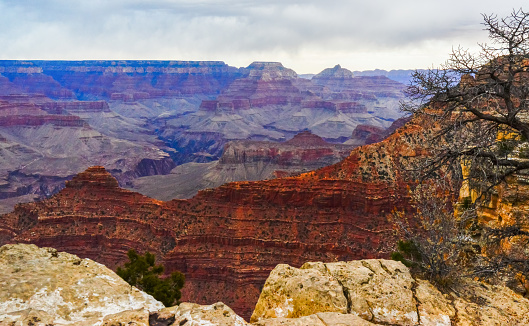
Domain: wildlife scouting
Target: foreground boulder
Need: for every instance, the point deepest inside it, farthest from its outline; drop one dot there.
(379, 292)
(41, 286)
(47, 286)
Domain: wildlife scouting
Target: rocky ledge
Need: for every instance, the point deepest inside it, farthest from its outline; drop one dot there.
(40, 286)
(44, 285)
(380, 292)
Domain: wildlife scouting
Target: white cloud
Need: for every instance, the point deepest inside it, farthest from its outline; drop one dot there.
(305, 35)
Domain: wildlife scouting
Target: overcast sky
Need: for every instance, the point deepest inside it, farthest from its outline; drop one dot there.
(305, 35)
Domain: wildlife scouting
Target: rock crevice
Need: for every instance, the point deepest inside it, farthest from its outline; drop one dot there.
(344, 290)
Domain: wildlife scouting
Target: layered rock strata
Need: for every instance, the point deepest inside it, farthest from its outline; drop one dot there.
(272, 103)
(226, 240)
(245, 160)
(118, 80)
(139, 118)
(43, 143)
(337, 212)
(51, 135)
(366, 134)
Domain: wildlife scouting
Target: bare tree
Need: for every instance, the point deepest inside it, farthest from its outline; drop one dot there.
(481, 103)
(479, 107)
(434, 240)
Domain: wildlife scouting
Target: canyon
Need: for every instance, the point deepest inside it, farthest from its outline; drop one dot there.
(227, 240)
(42, 144)
(143, 118)
(246, 160)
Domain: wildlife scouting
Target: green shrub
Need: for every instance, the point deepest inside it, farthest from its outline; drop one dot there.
(407, 253)
(143, 273)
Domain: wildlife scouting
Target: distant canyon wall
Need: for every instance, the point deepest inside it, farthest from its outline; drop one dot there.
(142, 118)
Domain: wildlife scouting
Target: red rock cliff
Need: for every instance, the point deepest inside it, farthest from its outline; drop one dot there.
(226, 240)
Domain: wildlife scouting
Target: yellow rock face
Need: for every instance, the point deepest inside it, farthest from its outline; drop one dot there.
(378, 291)
(292, 292)
(382, 292)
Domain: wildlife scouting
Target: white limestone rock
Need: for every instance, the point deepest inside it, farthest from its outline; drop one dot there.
(62, 287)
(192, 314)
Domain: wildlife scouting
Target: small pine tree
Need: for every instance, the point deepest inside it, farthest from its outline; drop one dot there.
(407, 253)
(143, 273)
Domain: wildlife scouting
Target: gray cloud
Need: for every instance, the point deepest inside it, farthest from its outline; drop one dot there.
(305, 35)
